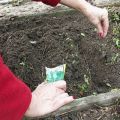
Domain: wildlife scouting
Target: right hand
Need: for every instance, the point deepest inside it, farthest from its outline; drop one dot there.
(99, 17)
(47, 98)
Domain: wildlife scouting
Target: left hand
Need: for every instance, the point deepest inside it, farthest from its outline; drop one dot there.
(99, 17)
(47, 98)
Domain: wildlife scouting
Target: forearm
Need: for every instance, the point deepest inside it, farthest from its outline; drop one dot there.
(80, 5)
(15, 96)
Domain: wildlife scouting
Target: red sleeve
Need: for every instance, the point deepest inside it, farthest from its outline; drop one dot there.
(15, 96)
(49, 2)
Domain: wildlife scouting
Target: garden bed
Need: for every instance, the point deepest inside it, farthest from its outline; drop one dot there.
(29, 44)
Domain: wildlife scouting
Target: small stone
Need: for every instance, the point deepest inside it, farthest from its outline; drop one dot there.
(33, 42)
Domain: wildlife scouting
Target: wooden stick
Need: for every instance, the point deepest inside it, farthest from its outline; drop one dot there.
(101, 100)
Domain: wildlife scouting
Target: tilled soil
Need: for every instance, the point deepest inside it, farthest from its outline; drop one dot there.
(29, 44)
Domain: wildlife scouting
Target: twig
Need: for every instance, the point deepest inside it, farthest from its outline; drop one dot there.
(105, 99)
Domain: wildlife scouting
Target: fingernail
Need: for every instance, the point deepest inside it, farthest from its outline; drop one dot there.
(101, 35)
(74, 97)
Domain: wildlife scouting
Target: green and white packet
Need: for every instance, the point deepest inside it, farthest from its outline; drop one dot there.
(55, 74)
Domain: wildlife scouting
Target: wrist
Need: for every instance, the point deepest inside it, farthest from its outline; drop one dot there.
(80, 5)
(84, 7)
(30, 111)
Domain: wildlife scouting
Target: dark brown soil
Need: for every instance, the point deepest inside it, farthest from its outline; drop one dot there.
(59, 39)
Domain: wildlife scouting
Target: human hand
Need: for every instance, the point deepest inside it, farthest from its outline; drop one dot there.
(99, 17)
(48, 97)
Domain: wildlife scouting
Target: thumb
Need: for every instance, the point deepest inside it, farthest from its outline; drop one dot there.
(61, 84)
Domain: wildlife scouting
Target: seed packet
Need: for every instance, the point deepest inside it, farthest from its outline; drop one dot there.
(55, 74)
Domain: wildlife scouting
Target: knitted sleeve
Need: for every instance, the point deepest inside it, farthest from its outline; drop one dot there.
(15, 96)
(49, 2)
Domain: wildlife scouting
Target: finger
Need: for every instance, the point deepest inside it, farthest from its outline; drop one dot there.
(63, 101)
(60, 84)
(100, 29)
(105, 25)
(42, 84)
(59, 92)
(61, 96)
(64, 95)
(105, 22)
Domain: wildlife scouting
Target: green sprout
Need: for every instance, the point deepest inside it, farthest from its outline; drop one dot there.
(116, 39)
(115, 17)
(114, 58)
(116, 31)
(117, 42)
(85, 86)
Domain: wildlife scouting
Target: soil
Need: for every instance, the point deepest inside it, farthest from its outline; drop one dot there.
(29, 44)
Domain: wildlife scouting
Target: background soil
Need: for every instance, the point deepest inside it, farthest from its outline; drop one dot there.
(29, 44)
